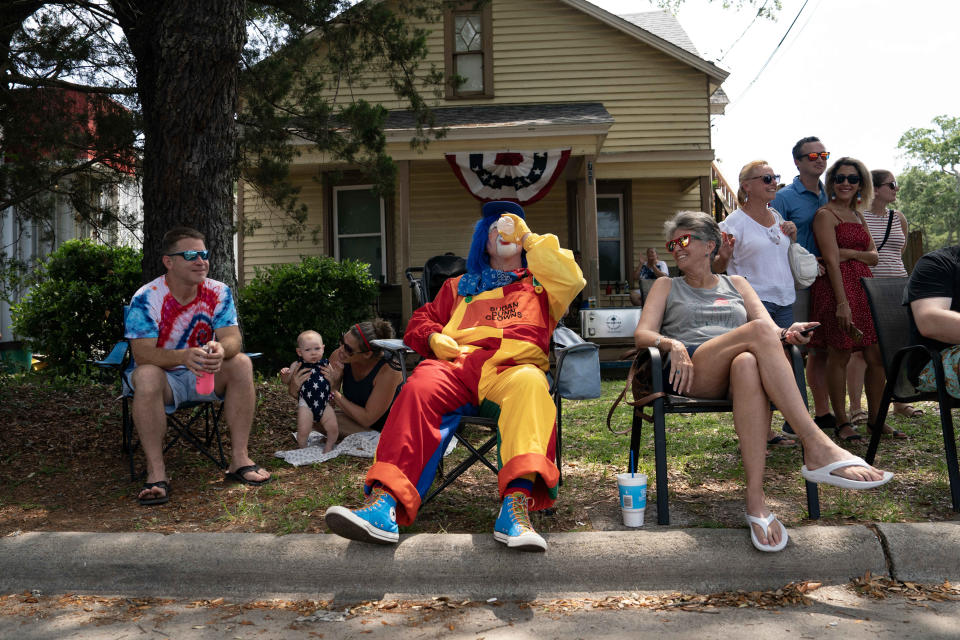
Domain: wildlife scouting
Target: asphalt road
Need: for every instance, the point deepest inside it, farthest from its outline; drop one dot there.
(831, 612)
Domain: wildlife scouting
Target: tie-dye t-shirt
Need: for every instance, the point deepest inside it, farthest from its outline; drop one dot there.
(155, 313)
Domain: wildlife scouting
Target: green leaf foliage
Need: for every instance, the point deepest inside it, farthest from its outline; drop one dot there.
(930, 201)
(930, 188)
(74, 309)
(318, 293)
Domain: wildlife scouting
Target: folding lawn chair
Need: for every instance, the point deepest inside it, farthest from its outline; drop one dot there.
(425, 286)
(197, 423)
(891, 318)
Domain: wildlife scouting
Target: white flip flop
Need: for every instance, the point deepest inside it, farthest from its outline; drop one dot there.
(765, 523)
(824, 475)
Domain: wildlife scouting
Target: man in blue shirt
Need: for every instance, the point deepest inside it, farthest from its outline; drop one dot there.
(799, 202)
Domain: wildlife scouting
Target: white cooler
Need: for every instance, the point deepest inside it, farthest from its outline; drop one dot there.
(616, 324)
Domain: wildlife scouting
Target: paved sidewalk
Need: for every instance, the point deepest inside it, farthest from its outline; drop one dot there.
(208, 565)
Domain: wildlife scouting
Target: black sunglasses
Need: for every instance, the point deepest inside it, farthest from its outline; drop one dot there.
(350, 350)
(893, 185)
(823, 155)
(767, 178)
(191, 255)
(840, 178)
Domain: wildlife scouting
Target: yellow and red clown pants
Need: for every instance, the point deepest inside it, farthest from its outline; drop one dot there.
(426, 414)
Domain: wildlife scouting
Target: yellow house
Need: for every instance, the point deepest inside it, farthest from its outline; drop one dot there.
(625, 101)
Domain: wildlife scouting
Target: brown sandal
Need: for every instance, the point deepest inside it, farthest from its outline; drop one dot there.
(858, 417)
(909, 411)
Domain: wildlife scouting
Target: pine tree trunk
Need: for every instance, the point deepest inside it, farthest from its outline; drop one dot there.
(187, 59)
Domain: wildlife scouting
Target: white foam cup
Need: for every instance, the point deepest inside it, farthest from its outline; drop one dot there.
(633, 497)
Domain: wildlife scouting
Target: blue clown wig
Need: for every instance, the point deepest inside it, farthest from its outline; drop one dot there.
(477, 259)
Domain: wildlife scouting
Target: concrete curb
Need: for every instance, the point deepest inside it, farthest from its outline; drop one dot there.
(467, 566)
(923, 552)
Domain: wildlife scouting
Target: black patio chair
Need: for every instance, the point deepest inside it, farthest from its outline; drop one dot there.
(891, 318)
(666, 404)
(425, 286)
(425, 281)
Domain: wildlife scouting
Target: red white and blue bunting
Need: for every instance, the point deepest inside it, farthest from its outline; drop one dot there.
(520, 176)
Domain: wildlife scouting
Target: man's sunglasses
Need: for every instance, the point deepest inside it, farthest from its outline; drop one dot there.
(893, 185)
(767, 178)
(191, 255)
(812, 157)
(840, 178)
(683, 241)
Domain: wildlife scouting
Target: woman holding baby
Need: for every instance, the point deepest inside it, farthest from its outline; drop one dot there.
(363, 384)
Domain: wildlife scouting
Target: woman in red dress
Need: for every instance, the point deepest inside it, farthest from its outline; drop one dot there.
(838, 299)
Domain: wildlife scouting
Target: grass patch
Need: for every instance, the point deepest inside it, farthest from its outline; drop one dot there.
(39, 448)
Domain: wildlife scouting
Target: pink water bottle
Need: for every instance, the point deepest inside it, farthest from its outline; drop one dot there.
(205, 380)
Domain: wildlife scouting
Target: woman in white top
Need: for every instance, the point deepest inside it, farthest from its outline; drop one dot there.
(754, 245)
(889, 230)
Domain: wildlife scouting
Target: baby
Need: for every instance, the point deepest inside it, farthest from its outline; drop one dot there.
(314, 393)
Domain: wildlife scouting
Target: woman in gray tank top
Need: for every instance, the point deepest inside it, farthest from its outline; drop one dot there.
(722, 343)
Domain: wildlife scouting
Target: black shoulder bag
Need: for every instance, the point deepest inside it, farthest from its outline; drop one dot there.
(886, 235)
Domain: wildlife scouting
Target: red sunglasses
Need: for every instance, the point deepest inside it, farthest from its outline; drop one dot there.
(683, 241)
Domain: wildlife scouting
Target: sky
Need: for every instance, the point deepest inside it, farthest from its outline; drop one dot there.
(855, 73)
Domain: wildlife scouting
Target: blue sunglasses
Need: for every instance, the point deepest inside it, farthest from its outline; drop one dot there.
(190, 256)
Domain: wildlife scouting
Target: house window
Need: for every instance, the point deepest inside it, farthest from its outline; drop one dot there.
(468, 51)
(610, 237)
(358, 227)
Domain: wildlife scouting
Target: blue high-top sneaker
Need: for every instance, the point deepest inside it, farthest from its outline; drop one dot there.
(513, 526)
(376, 522)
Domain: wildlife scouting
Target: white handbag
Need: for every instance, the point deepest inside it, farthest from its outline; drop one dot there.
(803, 265)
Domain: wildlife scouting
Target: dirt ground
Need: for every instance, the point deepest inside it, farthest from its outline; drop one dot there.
(61, 469)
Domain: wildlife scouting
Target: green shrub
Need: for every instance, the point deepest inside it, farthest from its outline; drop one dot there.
(319, 293)
(74, 309)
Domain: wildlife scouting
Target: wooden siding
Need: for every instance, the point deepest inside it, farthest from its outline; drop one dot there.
(443, 214)
(654, 169)
(545, 51)
(267, 245)
(654, 202)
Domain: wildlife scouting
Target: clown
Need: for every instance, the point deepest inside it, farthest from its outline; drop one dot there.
(486, 336)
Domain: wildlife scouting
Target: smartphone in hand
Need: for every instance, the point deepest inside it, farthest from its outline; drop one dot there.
(855, 333)
(809, 330)
(803, 332)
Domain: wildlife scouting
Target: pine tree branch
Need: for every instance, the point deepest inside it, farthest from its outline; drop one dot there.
(16, 78)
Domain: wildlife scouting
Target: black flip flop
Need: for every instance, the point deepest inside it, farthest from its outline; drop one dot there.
(778, 441)
(237, 476)
(826, 422)
(163, 484)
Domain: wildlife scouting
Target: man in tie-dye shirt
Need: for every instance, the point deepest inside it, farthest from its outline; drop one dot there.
(182, 326)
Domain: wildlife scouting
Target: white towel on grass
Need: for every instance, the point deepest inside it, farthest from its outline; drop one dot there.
(361, 445)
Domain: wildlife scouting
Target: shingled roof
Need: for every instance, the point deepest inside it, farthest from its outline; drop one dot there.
(664, 25)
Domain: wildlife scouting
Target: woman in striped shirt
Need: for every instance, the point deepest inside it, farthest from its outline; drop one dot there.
(890, 245)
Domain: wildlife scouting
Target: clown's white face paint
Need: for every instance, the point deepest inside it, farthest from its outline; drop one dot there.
(500, 250)
(507, 250)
